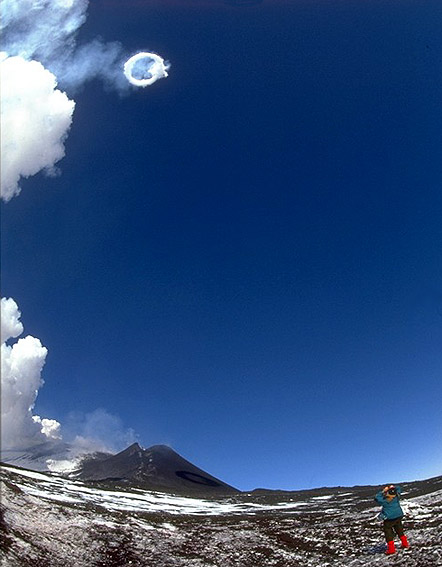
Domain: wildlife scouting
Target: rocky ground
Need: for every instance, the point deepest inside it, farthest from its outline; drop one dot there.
(51, 521)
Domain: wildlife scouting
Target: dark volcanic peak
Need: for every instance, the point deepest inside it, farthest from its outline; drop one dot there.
(156, 468)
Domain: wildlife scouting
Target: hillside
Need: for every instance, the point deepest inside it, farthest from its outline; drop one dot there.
(53, 521)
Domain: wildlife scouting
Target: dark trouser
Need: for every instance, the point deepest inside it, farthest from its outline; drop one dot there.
(391, 526)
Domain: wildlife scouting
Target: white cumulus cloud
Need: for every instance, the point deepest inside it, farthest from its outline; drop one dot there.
(11, 327)
(35, 118)
(21, 367)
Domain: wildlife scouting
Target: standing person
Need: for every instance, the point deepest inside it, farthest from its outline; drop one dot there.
(392, 515)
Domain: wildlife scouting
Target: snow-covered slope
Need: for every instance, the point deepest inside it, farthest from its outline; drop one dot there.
(50, 456)
(53, 521)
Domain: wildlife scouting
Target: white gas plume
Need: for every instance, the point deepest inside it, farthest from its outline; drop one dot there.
(144, 68)
(98, 430)
(21, 366)
(41, 29)
(47, 31)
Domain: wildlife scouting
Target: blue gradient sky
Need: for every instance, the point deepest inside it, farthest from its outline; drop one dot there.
(244, 261)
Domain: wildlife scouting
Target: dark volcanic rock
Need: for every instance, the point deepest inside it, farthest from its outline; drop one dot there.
(53, 521)
(157, 468)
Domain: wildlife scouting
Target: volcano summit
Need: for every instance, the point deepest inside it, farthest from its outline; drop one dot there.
(157, 468)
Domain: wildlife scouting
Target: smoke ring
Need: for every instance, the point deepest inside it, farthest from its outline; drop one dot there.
(157, 69)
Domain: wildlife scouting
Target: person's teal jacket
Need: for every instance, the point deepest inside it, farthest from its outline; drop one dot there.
(391, 510)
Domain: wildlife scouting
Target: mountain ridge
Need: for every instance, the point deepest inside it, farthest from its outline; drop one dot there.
(158, 467)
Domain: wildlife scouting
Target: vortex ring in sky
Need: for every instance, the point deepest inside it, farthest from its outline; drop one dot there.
(153, 68)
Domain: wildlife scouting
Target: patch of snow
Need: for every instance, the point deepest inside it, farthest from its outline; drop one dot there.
(322, 497)
(43, 494)
(30, 474)
(63, 466)
(71, 491)
(169, 527)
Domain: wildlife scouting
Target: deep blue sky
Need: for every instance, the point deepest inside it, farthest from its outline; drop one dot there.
(244, 260)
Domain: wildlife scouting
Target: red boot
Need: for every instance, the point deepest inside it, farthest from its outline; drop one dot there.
(391, 549)
(404, 541)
